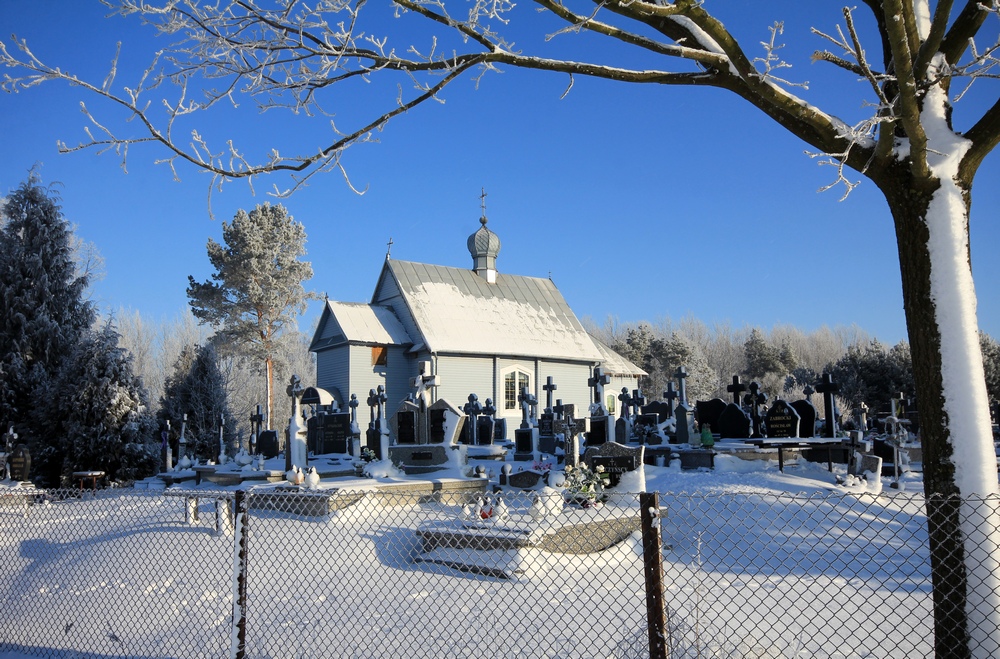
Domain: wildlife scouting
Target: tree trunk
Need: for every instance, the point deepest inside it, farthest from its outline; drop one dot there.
(957, 525)
(268, 389)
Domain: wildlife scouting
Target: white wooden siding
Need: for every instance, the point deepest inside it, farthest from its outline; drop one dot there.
(571, 382)
(463, 375)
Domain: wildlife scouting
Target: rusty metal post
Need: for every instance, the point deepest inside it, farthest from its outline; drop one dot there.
(652, 558)
(238, 633)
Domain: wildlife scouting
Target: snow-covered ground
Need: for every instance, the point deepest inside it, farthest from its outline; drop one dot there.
(757, 564)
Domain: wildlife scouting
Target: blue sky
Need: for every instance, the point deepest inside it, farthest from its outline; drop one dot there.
(639, 201)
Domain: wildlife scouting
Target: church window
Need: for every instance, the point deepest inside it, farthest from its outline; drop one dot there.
(380, 355)
(514, 383)
(612, 399)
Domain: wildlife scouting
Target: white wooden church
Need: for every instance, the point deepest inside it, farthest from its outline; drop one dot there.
(479, 331)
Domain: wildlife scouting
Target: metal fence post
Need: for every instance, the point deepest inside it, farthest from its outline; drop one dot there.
(652, 559)
(238, 632)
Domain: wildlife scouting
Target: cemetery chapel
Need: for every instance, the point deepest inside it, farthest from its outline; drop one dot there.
(452, 332)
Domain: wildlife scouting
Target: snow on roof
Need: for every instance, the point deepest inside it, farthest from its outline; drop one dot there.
(613, 363)
(368, 323)
(457, 311)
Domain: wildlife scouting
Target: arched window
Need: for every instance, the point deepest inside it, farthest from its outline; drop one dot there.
(515, 379)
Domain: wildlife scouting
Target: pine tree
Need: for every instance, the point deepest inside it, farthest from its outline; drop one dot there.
(43, 311)
(762, 357)
(197, 388)
(257, 290)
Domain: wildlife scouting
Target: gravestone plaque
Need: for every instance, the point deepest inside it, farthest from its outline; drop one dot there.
(598, 431)
(615, 458)
(708, 412)
(406, 427)
(484, 431)
(545, 424)
(807, 417)
(419, 458)
(782, 420)
(20, 463)
(523, 446)
(267, 444)
(437, 426)
(621, 431)
(733, 423)
(334, 433)
(499, 429)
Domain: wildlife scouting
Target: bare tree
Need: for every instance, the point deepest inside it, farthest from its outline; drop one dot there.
(290, 54)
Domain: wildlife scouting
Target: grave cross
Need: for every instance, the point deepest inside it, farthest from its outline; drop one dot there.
(525, 400)
(549, 387)
(808, 391)
(670, 396)
(756, 398)
(381, 399)
(681, 375)
(828, 388)
(295, 390)
(863, 416)
(558, 408)
(372, 406)
(736, 388)
(489, 409)
(182, 441)
(473, 408)
(423, 383)
(626, 402)
(638, 400)
(353, 404)
(597, 384)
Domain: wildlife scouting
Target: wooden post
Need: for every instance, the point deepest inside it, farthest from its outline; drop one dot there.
(652, 555)
(238, 633)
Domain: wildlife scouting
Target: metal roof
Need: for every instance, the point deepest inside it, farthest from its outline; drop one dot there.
(458, 311)
(364, 323)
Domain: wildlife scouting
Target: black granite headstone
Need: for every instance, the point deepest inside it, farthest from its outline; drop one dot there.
(733, 423)
(807, 417)
(621, 431)
(782, 420)
(662, 410)
(708, 412)
(522, 442)
(267, 444)
(598, 433)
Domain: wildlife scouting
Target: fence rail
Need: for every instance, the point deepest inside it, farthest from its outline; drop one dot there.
(373, 574)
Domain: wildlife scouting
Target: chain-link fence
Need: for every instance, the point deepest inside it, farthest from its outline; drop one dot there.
(274, 574)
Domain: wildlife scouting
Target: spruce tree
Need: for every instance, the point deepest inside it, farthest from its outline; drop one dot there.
(43, 311)
(96, 415)
(197, 388)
